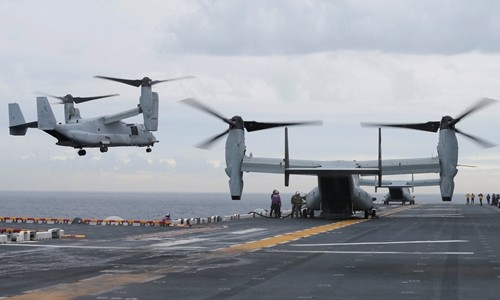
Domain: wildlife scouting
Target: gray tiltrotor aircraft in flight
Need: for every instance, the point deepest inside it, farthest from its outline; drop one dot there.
(338, 194)
(98, 132)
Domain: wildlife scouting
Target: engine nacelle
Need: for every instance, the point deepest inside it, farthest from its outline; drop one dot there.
(448, 160)
(149, 103)
(235, 151)
(71, 113)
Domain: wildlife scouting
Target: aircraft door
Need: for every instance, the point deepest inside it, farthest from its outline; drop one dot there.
(396, 194)
(134, 131)
(336, 196)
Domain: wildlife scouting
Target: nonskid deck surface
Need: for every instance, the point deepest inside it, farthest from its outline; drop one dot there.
(433, 251)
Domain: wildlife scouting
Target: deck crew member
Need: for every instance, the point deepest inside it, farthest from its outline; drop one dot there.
(296, 205)
(275, 204)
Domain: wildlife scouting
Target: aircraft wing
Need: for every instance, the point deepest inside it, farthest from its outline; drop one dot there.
(121, 115)
(315, 167)
(304, 167)
(274, 165)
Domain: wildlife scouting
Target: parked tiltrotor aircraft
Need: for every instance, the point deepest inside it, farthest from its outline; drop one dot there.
(338, 194)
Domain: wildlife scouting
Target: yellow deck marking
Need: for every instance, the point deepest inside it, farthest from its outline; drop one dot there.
(287, 237)
(109, 282)
(399, 209)
(292, 236)
(98, 284)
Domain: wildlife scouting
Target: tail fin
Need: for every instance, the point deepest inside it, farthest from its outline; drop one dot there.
(17, 124)
(46, 118)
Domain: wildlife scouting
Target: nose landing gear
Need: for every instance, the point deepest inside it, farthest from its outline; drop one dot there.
(82, 152)
(148, 149)
(103, 149)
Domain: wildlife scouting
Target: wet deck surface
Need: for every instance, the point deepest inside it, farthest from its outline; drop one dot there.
(434, 251)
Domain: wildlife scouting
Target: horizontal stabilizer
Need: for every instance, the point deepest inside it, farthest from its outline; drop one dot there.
(17, 124)
(333, 171)
(400, 183)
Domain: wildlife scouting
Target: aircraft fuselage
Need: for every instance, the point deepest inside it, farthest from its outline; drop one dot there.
(94, 133)
(339, 197)
(399, 194)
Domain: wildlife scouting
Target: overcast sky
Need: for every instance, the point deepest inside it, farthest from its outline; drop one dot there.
(343, 62)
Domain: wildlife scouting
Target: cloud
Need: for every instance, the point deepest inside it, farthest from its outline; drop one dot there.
(339, 61)
(170, 163)
(300, 27)
(216, 164)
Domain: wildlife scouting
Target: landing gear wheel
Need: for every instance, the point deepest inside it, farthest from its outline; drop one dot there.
(148, 149)
(374, 213)
(311, 214)
(82, 152)
(367, 214)
(103, 149)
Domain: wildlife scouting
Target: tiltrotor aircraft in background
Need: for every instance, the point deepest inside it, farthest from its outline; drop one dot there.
(399, 190)
(98, 132)
(338, 194)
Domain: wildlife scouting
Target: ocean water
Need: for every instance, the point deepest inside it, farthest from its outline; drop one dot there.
(138, 206)
(129, 205)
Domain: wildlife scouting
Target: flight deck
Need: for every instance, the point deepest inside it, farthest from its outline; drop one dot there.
(432, 251)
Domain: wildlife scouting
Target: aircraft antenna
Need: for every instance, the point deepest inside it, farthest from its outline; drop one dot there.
(287, 159)
(379, 157)
(412, 183)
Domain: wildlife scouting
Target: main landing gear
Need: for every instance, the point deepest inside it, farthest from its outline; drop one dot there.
(104, 149)
(371, 213)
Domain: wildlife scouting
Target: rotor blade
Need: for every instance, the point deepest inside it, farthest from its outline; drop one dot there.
(480, 104)
(195, 103)
(172, 79)
(133, 82)
(85, 99)
(208, 143)
(483, 143)
(431, 126)
(254, 126)
(62, 99)
(68, 97)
